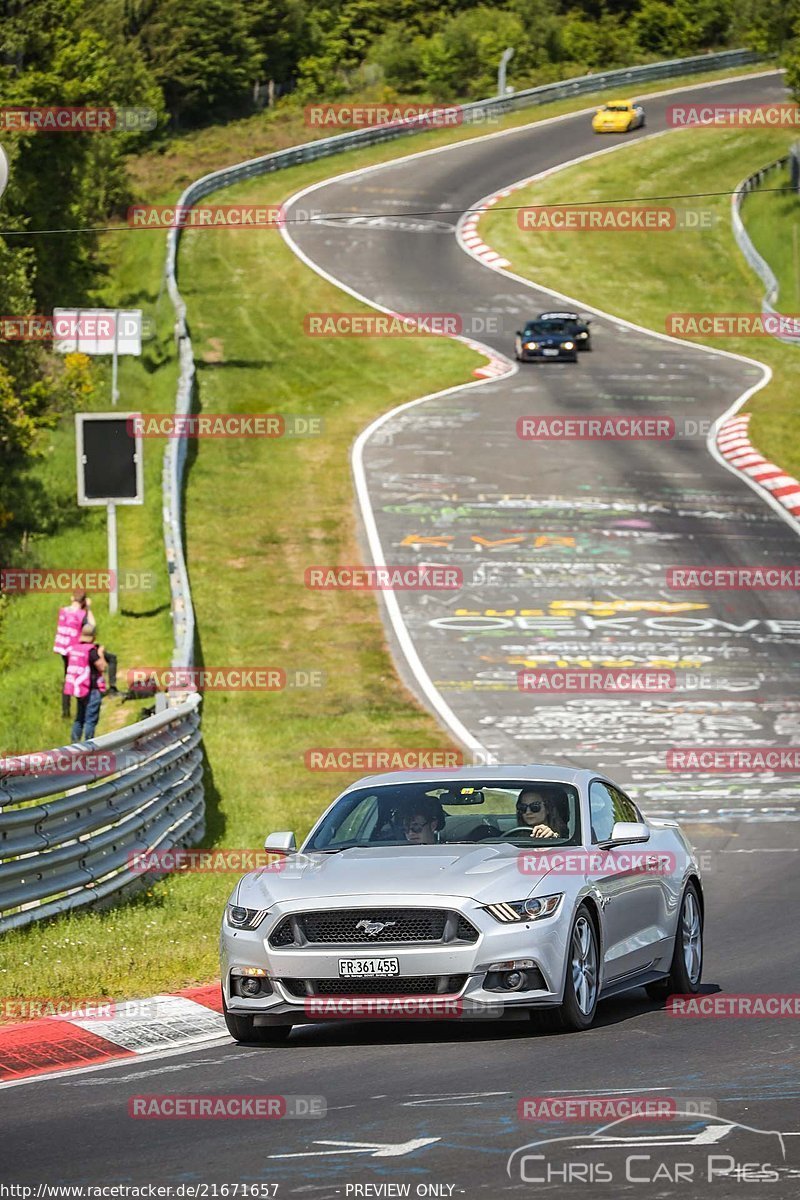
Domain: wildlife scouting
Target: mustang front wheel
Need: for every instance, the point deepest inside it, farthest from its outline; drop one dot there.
(581, 990)
(243, 1029)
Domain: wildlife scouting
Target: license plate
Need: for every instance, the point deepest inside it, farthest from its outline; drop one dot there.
(550, 353)
(368, 967)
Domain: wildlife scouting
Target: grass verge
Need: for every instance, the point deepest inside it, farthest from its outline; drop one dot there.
(772, 219)
(644, 276)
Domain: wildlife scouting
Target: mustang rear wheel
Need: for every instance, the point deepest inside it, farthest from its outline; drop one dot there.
(578, 1007)
(686, 968)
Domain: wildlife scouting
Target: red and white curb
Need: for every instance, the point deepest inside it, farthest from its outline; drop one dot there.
(736, 448)
(495, 367)
(133, 1027)
(470, 236)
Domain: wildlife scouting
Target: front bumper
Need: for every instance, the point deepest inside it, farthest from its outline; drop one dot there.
(542, 942)
(535, 355)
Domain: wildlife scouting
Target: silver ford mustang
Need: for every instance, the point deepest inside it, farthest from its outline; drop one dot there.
(516, 892)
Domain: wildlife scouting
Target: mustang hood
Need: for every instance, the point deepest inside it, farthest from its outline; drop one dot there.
(485, 873)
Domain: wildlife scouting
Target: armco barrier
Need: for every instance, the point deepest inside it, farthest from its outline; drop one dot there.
(66, 839)
(759, 264)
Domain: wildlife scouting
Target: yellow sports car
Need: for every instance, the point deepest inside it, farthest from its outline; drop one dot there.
(618, 116)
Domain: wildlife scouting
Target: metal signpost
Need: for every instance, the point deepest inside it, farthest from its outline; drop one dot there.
(110, 472)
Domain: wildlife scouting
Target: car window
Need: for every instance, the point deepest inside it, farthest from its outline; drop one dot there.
(607, 805)
(542, 327)
(358, 821)
(601, 808)
(624, 808)
(462, 810)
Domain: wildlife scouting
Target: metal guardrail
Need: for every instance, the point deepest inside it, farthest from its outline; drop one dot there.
(67, 838)
(756, 261)
(472, 114)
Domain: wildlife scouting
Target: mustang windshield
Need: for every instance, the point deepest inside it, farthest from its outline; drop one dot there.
(438, 813)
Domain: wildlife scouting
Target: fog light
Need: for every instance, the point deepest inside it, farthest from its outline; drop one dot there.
(250, 987)
(520, 975)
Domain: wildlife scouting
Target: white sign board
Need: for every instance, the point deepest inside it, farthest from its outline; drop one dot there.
(97, 330)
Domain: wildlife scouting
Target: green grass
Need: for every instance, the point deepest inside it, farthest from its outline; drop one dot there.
(772, 219)
(258, 512)
(645, 276)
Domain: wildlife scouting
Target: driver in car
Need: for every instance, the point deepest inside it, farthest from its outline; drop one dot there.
(540, 813)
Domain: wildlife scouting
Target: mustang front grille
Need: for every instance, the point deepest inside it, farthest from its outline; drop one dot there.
(431, 985)
(372, 926)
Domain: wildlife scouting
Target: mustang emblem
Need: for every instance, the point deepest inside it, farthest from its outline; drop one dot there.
(373, 928)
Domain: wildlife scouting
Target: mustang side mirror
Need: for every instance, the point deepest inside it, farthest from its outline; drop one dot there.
(280, 841)
(630, 831)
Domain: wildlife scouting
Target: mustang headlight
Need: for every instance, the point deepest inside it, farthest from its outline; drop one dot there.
(567, 345)
(533, 909)
(245, 918)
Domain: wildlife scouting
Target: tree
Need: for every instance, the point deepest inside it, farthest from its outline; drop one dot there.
(203, 56)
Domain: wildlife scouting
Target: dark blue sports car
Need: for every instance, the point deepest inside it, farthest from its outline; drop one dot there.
(546, 338)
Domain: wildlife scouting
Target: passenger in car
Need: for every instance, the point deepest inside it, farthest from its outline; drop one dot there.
(540, 812)
(422, 822)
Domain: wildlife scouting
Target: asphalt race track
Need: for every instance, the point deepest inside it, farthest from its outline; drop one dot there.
(576, 540)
